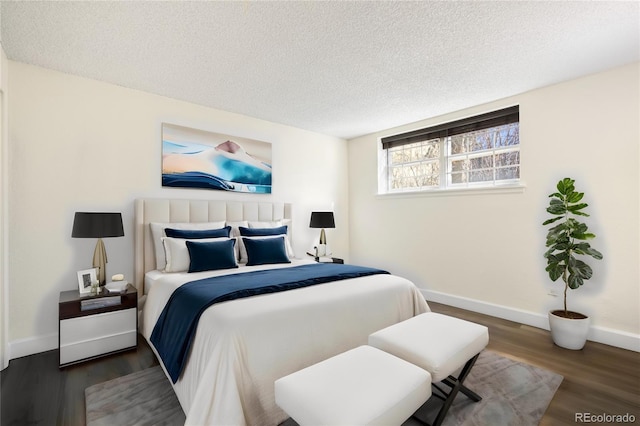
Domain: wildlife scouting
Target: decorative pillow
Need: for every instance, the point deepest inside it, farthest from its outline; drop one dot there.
(261, 232)
(177, 254)
(157, 232)
(196, 234)
(266, 250)
(243, 248)
(209, 256)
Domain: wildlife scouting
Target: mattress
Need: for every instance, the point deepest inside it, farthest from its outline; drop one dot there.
(151, 277)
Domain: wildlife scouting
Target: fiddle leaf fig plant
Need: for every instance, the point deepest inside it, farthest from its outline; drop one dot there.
(568, 239)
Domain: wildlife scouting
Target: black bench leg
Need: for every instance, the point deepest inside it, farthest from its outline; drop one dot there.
(456, 385)
(470, 394)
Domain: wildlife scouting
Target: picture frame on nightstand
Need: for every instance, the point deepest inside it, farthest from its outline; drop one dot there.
(85, 278)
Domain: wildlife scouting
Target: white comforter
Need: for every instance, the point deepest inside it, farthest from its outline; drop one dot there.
(241, 347)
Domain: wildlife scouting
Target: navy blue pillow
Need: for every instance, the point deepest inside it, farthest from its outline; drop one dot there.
(265, 251)
(195, 234)
(262, 232)
(211, 255)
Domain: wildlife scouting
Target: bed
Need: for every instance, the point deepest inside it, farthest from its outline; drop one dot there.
(242, 346)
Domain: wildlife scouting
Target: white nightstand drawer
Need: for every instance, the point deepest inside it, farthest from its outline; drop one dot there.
(93, 335)
(90, 348)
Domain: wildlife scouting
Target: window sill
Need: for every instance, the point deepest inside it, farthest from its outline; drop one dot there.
(449, 192)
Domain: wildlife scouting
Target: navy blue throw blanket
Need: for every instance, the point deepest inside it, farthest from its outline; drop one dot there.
(175, 329)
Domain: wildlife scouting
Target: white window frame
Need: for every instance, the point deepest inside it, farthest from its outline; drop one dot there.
(445, 171)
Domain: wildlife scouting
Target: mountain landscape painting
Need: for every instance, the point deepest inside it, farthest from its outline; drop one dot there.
(199, 159)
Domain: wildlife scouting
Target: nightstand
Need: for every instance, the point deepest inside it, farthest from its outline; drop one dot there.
(91, 326)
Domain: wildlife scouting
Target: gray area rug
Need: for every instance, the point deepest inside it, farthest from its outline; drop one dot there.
(513, 393)
(141, 398)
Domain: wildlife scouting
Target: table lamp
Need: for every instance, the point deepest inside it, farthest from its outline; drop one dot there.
(98, 225)
(322, 220)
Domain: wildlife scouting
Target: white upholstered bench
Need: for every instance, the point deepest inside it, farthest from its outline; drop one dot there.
(440, 344)
(363, 386)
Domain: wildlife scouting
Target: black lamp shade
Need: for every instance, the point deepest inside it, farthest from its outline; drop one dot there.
(322, 220)
(97, 225)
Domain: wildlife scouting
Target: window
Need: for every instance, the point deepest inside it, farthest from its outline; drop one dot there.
(478, 151)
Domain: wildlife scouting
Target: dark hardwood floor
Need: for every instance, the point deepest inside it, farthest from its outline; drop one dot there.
(36, 392)
(599, 379)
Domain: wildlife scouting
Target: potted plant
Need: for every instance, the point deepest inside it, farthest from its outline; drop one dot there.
(567, 240)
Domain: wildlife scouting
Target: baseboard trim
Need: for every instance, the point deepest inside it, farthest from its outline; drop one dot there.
(32, 345)
(608, 336)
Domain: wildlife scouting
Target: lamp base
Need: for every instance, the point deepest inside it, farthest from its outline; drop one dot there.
(100, 261)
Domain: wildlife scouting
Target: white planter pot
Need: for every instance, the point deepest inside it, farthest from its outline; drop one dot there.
(569, 333)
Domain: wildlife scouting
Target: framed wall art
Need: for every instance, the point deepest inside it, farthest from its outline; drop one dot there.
(199, 159)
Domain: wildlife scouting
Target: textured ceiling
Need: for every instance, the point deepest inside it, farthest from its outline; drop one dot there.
(338, 68)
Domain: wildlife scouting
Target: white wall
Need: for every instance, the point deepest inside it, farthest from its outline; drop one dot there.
(484, 251)
(4, 197)
(78, 144)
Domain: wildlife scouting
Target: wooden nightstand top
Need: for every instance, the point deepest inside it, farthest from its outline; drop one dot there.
(74, 295)
(326, 259)
(69, 304)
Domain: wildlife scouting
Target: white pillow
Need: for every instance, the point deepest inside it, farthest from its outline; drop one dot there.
(157, 233)
(235, 227)
(271, 224)
(235, 233)
(177, 253)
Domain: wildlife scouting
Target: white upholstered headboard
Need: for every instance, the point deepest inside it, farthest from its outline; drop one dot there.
(175, 210)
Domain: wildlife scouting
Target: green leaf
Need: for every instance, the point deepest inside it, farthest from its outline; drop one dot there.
(593, 253)
(577, 207)
(555, 219)
(555, 270)
(580, 227)
(557, 209)
(572, 223)
(553, 235)
(561, 227)
(548, 252)
(562, 186)
(579, 213)
(574, 197)
(574, 282)
(569, 186)
(579, 236)
(552, 259)
(556, 195)
(557, 238)
(565, 186)
(581, 248)
(579, 232)
(580, 269)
